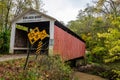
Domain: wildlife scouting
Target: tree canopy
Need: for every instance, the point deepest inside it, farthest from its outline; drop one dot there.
(99, 25)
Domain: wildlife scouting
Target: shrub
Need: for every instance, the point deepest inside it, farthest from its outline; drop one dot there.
(53, 68)
(4, 41)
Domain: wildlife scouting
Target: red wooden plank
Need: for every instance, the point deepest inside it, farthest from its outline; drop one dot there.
(67, 45)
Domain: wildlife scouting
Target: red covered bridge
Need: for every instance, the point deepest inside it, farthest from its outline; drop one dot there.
(61, 40)
(67, 43)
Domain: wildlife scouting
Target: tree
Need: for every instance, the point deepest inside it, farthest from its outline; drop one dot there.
(111, 41)
(99, 18)
(22, 5)
(108, 7)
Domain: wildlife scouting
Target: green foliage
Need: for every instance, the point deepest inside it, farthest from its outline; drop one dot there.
(116, 74)
(4, 41)
(98, 53)
(112, 44)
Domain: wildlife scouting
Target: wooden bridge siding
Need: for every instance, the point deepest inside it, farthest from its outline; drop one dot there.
(68, 46)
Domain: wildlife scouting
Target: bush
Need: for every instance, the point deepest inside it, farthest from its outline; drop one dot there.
(4, 41)
(53, 68)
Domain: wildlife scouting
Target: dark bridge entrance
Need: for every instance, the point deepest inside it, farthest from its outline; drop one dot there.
(21, 37)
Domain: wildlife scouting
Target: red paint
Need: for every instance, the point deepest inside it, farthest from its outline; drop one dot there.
(68, 46)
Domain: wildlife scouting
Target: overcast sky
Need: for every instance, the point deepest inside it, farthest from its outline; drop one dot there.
(64, 10)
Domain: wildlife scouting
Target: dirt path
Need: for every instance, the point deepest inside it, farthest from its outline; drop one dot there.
(10, 57)
(85, 76)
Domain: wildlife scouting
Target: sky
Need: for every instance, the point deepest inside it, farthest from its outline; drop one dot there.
(64, 10)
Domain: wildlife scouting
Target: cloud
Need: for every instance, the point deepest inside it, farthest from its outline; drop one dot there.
(64, 10)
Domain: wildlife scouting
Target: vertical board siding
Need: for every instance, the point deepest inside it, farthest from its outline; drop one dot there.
(68, 46)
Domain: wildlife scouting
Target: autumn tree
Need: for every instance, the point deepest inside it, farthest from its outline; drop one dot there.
(101, 18)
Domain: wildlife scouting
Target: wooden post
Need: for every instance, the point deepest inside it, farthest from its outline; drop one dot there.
(27, 57)
(28, 52)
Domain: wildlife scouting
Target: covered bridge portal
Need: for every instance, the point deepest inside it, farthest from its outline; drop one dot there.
(61, 40)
